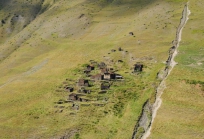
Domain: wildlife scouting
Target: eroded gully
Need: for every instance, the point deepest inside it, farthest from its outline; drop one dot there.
(145, 121)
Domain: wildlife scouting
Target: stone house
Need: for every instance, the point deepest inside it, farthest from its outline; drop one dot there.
(69, 89)
(105, 86)
(97, 77)
(138, 67)
(83, 82)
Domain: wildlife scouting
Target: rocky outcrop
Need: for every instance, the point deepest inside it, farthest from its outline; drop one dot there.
(144, 121)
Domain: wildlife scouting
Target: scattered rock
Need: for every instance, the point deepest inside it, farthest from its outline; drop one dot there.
(3, 22)
(82, 15)
(131, 33)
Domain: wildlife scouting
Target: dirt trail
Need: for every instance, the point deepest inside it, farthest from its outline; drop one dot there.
(29, 72)
(145, 123)
(170, 62)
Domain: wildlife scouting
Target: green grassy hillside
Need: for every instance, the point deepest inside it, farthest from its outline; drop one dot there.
(51, 40)
(181, 113)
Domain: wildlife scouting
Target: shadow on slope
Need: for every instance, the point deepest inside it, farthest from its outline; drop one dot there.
(142, 3)
(16, 15)
(4, 3)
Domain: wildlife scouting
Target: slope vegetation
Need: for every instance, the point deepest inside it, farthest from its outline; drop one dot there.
(43, 43)
(181, 114)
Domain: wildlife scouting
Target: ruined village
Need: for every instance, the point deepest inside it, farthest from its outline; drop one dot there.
(96, 80)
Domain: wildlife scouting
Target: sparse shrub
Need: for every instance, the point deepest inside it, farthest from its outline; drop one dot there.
(85, 65)
(118, 108)
(77, 136)
(105, 112)
(140, 131)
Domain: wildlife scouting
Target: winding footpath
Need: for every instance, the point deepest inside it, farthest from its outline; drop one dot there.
(29, 72)
(171, 63)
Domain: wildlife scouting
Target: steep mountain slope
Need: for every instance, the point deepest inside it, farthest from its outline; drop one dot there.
(181, 113)
(48, 41)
